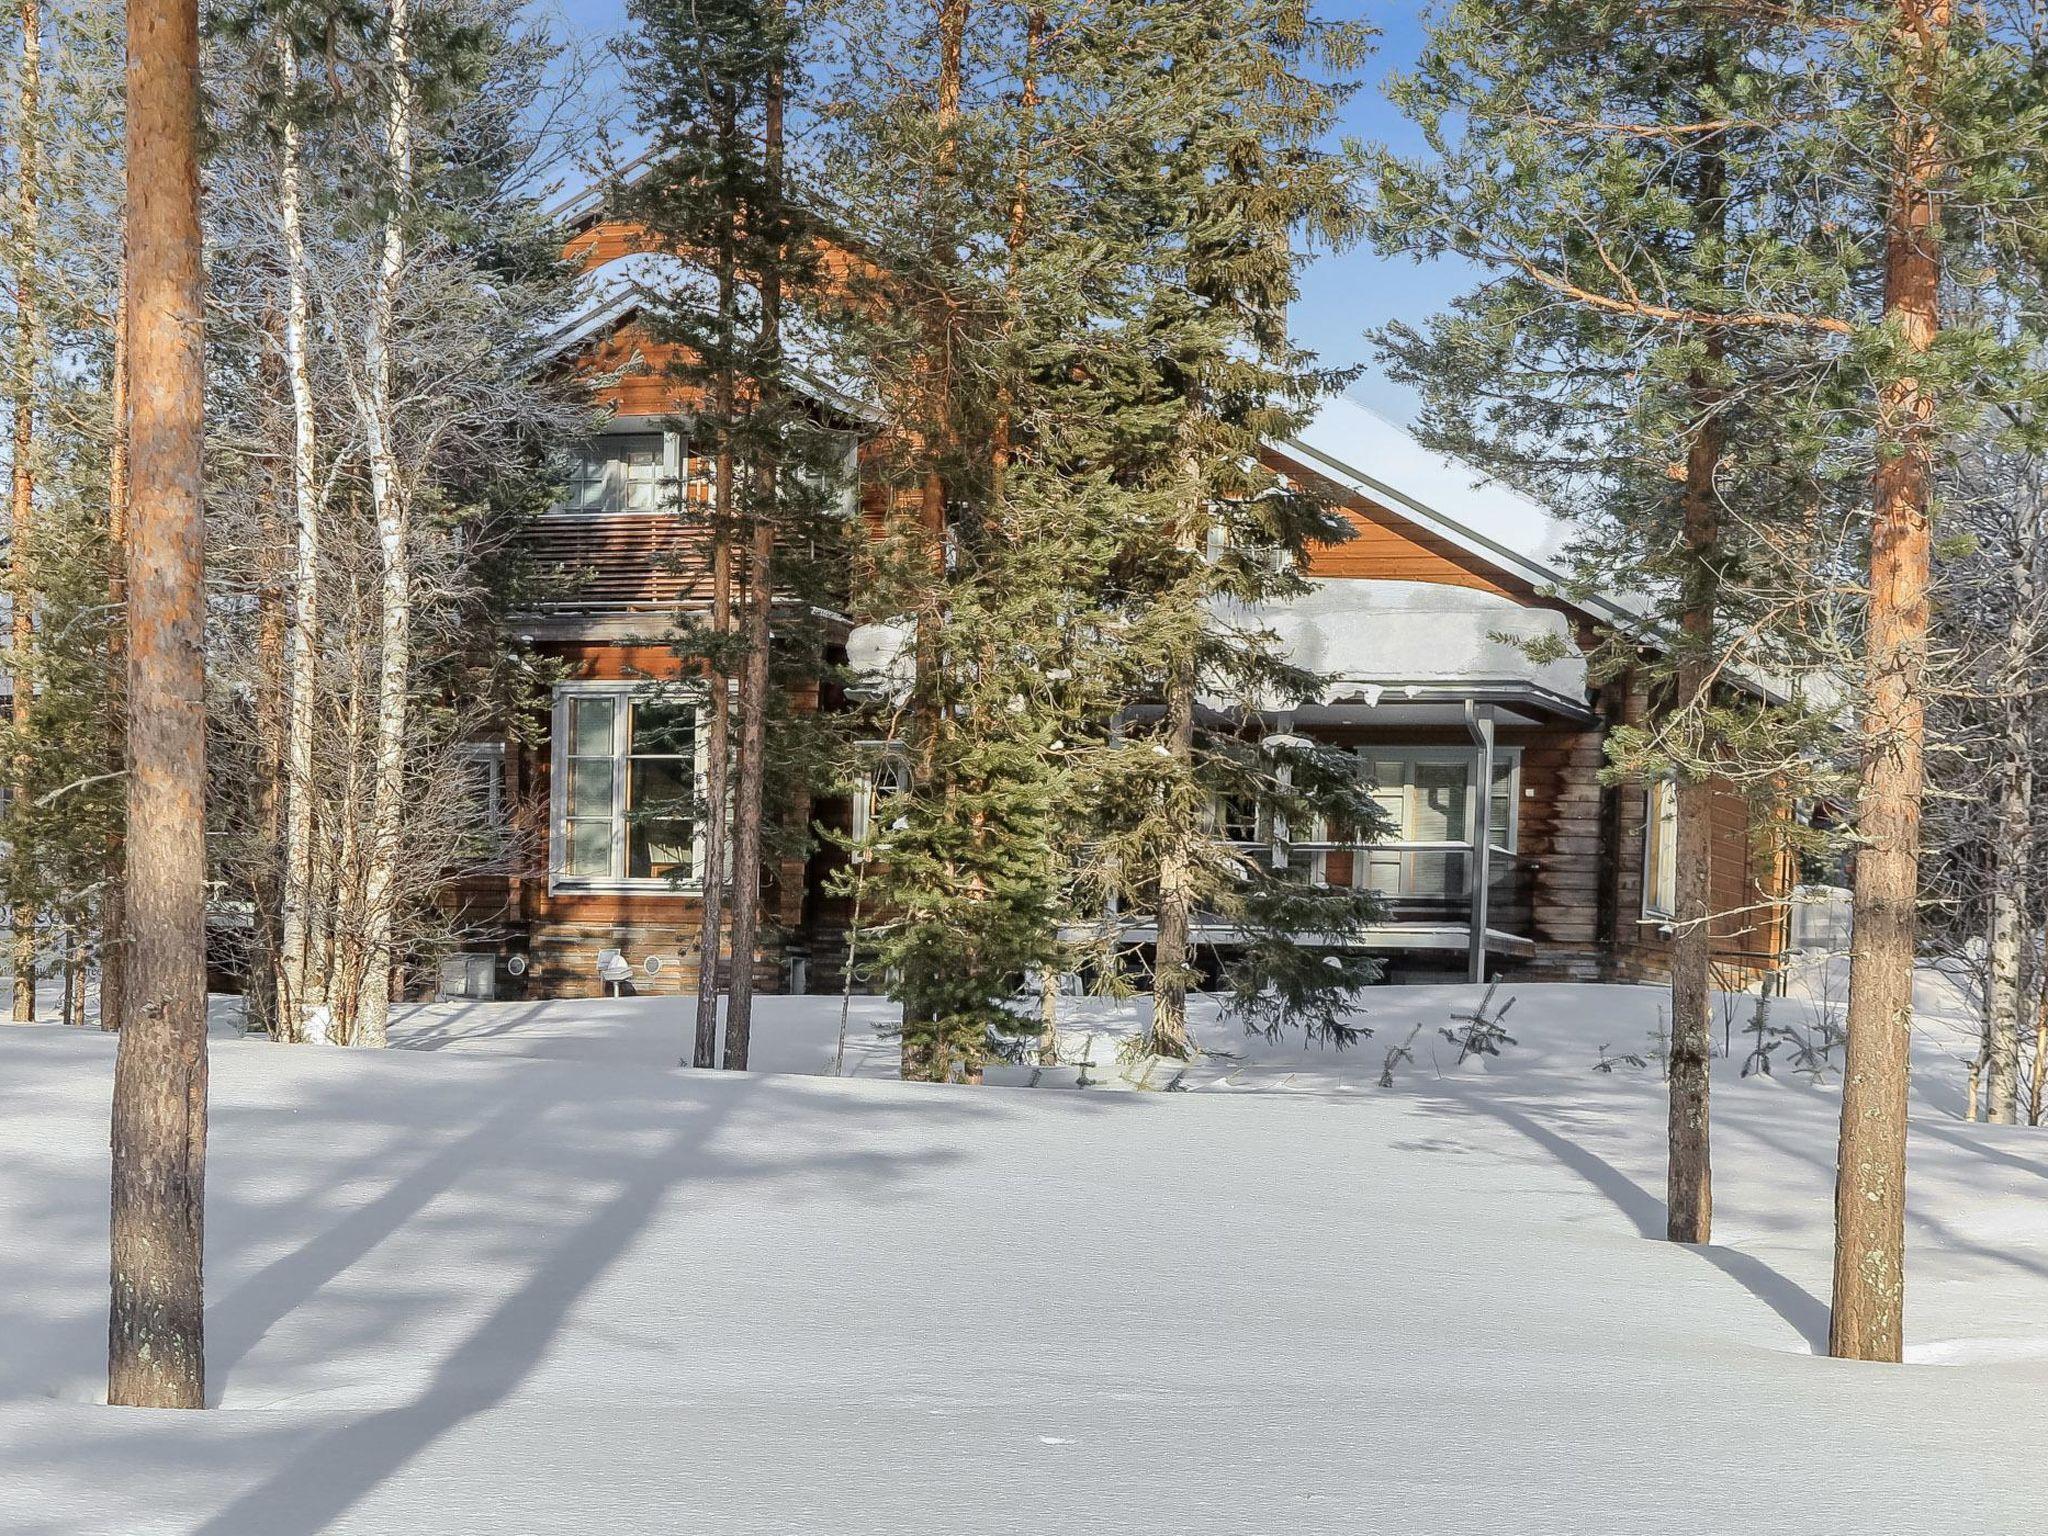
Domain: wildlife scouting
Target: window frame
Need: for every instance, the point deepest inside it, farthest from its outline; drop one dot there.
(491, 835)
(670, 488)
(876, 755)
(624, 693)
(1478, 810)
(1660, 848)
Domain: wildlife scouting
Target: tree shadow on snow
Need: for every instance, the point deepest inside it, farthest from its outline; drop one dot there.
(605, 1168)
(1796, 1306)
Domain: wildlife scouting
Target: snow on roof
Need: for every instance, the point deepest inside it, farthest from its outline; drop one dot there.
(612, 291)
(1363, 451)
(1369, 637)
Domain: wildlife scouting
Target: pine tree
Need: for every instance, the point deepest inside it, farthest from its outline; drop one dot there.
(156, 1351)
(746, 249)
(1642, 352)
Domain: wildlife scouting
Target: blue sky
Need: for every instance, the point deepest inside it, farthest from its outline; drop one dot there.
(1343, 296)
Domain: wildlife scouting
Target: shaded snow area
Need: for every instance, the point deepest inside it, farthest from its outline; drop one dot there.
(522, 1275)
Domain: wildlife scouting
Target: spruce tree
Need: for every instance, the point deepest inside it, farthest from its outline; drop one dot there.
(1219, 180)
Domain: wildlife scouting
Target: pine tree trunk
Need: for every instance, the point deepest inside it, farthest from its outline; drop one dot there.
(388, 500)
(156, 1354)
(299, 980)
(923, 1058)
(1870, 1172)
(749, 811)
(718, 745)
(27, 361)
(1689, 1194)
(113, 945)
(1172, 970)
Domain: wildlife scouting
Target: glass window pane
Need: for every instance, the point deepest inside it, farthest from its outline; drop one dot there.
(590, 786)
(590, 848)
(658, 850)
(1437, 808)
(664, 729)
(616, 473)
(658, 834)
(590, 727)
(660, 787)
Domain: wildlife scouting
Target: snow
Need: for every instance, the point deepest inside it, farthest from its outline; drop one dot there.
(1364, 637)
(521, 1274)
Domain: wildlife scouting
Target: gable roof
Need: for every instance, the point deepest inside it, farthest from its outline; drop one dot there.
(1362, 451)
(614, 293)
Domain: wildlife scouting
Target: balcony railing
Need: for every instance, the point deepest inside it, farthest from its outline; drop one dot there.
(1422, 884)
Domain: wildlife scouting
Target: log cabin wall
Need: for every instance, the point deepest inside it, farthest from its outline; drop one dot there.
(560, 933)
(1584, 841)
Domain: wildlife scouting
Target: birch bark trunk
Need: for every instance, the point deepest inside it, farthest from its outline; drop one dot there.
(300, 984)
(389, 500)
(718, 743)
(2012, 849)
(27, 361)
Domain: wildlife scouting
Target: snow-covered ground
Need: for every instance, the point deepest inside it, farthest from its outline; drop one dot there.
(522, 1275)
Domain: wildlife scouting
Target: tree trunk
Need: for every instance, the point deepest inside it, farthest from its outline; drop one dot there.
(1689, 1192)
(2010, 852)
(1868, 1316)
(2037, 1074)
(113, 945)
(267, 794)
(299, 981)
(718, 745)
(2012, 849)
(27, 362)
(389, 499)
(156, 1354)
(749, 810)
(923, 1058)
(1172, 970)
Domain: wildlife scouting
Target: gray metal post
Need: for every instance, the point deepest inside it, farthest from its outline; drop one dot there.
(1479, 723)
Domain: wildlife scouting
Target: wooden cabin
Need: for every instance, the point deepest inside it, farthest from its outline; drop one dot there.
(1512, 857)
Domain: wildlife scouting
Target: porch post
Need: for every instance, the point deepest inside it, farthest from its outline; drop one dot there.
(1479, 723)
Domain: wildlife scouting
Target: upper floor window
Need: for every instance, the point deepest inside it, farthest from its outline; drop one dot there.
(618, 472)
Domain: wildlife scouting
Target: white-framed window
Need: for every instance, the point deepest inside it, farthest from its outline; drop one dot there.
(837, 488)
(627, 763)
(1430, 798)
(1219, 543)
(620, 472)
(1660, 848)
(886, 779)
(481, 765)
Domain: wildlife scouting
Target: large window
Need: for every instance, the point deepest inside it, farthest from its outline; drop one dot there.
(626, 765)
(1660, 850)
(1429, 797)
(619, 472)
